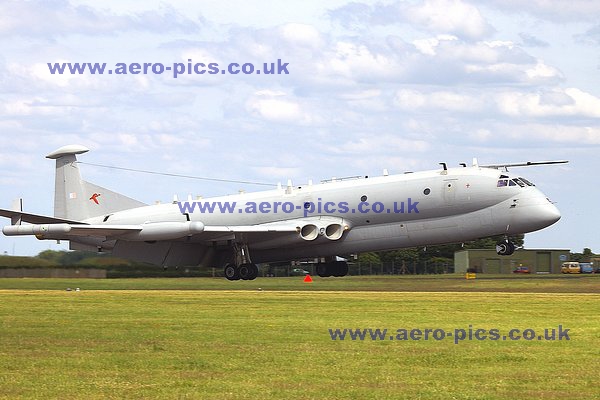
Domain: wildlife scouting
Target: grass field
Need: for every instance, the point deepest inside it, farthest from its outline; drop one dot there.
(381, 283)
(233, 341)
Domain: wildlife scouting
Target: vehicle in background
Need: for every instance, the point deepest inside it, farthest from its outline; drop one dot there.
(586, 268)
(299, 271)
(570, 267)
(522, 270)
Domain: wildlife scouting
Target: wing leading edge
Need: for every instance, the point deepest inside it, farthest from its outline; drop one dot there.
(525, 164)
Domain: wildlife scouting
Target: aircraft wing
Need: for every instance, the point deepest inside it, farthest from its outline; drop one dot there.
(52, 228)
(524, 164)
(193, 250)
(60, 230)
(280, 227)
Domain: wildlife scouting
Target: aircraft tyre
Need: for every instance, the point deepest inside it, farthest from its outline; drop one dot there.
(505, 248)
(341, 268)
(254, 271)
(248, 271)
(231, 272)
(323, 270)
(335, 268)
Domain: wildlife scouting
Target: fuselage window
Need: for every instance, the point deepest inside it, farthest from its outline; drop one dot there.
(502, 183)
(511, 183)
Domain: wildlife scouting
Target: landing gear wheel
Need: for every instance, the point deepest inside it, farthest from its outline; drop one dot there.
(253, 272)
(505, 248)
(340, 268)
(244, 271)
(323, 270)
(334, 268)
(232, 272)
(511, 248)
(248, 271)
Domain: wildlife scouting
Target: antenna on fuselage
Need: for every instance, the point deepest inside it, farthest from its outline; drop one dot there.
(445, 171)
(475, 163)
(462, 164)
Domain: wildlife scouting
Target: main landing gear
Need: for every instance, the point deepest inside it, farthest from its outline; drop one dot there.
(332, 268)
(505, 247)
(246, 271)
(242, 268)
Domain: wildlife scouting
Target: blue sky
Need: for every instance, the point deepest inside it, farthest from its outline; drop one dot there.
(400, 85)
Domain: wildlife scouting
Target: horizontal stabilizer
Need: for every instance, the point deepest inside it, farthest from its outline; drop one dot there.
(33, 218)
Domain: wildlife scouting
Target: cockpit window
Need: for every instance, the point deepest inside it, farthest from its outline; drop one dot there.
(504, 181)
(518, 182)
(525, 181)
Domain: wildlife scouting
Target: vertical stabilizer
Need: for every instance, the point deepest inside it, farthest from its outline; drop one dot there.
(76, 199)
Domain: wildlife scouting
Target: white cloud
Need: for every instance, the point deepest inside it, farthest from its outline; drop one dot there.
(557, 103)
(532, 41)
(575, 136)
(450, 17)
(411, 100)
(541, 72)
(428, 45)
(301, 35)
(34, 106)
(481, 135)
(170, 140)
(358, 62)
(41, 73)
(530, 74)
(573, 103)
(553, 10)
(453, 17)
(377, 143)
(53, 18)
(274, 106)
(271, 172)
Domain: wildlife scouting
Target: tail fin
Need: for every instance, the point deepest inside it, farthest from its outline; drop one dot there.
(76, 199)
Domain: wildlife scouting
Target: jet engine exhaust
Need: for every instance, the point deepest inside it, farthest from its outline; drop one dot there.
(309, 232)
(334, 231)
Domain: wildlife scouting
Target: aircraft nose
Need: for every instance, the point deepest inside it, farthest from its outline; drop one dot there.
(543, 214)
(550, 214)
(534, 213)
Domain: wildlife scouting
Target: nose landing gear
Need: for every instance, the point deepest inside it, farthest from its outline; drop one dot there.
(505, 247)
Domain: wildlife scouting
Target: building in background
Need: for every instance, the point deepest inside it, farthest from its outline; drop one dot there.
(488, 262)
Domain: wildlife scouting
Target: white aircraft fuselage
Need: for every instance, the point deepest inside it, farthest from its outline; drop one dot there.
(333, 218)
